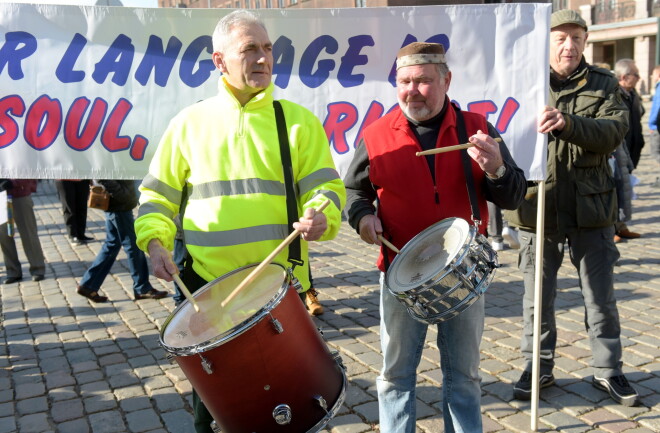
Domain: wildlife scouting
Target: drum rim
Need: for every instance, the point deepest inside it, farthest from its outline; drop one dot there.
(462, 252)
(231, 333)
(338, 404)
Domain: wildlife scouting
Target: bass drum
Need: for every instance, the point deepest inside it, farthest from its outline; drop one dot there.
(259, 364)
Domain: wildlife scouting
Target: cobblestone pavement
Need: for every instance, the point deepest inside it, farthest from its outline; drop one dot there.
(72, 366)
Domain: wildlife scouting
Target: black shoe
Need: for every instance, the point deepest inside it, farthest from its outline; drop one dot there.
(619, 389)
(12, 280)
(86, 238)
(151, 294)
(77, 241)
(37, 277)
(522, 390)
(93, 296)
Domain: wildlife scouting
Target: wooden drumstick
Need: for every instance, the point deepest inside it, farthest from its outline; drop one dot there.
(449, 148)
(388, 244)
(259, 269)
(185, 291)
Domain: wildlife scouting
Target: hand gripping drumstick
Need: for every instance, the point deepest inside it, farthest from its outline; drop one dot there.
(449, 148)
(388, 244)
(185, 291)
(259, 269)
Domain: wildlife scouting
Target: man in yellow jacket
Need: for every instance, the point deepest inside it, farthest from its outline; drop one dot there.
(224, 150)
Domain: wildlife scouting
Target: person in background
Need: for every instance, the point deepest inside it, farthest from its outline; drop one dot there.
(626, 72)
(73, 196)
(654, 121)
(226, 150)
(414, 193)
(119, 232)
(499, 230)
(580, 210)
(21, 191)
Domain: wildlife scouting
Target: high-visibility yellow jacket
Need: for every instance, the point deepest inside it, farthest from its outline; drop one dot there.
(228, 158)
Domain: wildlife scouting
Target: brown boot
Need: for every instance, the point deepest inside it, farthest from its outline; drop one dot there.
(313, 305)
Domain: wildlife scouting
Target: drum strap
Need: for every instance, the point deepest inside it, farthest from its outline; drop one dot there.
(291, 200)
(467, 167)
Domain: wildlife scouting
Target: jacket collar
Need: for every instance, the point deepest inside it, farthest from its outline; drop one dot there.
(265, 97)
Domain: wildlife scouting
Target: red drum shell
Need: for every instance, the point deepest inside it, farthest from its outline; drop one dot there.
(260, 369)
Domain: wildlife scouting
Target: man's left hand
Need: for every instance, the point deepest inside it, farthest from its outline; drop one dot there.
(312, 225)
(485, 152)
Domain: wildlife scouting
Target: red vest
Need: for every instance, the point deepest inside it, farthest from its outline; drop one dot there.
(406, 193)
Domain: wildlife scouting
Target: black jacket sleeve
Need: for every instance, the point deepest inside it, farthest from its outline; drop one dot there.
(507, 192)
(360, 192)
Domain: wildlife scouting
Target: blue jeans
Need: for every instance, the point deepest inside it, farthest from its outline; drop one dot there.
(402, 340)
(119, 232)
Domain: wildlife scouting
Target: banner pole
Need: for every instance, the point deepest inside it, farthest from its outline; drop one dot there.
(538, 285)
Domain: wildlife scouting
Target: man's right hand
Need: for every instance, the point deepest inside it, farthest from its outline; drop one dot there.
(370, 227)
(161, 261)
(551, 119)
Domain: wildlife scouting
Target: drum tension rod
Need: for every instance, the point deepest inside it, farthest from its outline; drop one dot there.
(321, 401)
(276, 324)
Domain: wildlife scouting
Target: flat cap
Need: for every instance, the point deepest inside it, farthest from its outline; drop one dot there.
(567, 16)
(420, 53)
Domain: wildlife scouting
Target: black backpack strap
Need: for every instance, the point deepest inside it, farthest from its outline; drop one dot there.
(467, 166)
(291, 200)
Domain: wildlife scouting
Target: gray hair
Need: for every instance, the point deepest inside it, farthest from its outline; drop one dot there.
(623, 67)
(240, 17)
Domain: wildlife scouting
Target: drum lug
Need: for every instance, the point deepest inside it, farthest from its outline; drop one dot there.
(207, 365)
(293, 281)
(276, 324)
(215, 427)
(170, 358)
(321, 401)
(282, 414)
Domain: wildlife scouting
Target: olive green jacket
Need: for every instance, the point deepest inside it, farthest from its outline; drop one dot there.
(580, 189)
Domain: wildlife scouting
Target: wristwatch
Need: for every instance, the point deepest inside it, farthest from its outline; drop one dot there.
(498, 173)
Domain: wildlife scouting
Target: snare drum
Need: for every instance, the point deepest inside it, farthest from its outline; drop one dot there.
(259, 364)
(442, 271)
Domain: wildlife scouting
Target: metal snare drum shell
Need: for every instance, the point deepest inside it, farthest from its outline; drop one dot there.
(442, 271)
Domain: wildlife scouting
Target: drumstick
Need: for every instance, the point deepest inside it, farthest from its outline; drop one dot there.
(449, 148)
(185, 291)
(259, 269)
(388, 244)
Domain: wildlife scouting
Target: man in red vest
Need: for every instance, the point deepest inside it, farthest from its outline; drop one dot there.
(413, 193)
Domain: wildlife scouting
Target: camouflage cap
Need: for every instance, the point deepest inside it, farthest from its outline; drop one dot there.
(420, 53)
(567, 16)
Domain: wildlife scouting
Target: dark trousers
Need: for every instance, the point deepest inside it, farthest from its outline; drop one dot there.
(73, 195)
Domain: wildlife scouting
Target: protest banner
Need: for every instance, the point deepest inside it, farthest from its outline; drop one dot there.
(87, 91)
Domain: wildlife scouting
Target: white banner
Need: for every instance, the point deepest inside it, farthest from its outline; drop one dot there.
(86, 92)
(4, 215)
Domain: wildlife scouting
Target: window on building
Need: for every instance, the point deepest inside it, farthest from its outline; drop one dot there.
(269, 4)
(360, 3)
(293, 2)
(280, 3)
(257, 4)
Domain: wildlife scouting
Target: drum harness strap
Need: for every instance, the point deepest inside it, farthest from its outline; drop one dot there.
(291, 200)
(467, 167)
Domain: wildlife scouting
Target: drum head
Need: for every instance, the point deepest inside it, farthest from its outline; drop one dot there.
(187, 328)
(427, 254)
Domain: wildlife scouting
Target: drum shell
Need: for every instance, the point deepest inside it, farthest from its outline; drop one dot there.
(258, 369)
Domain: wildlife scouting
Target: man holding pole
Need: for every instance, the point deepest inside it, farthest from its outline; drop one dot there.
(585, 121)
(225, 151)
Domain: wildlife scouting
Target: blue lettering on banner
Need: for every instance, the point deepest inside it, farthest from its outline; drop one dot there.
(17, 47)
